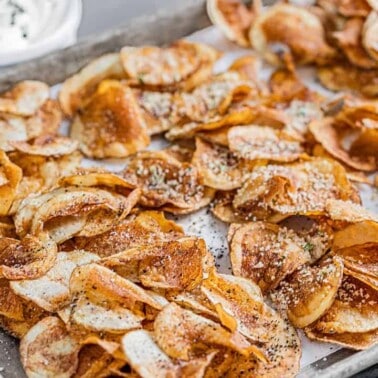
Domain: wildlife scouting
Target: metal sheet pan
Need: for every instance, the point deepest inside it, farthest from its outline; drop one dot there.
(161, 28)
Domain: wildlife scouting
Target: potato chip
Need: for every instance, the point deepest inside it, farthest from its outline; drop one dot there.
(233, 18)
(371, 281)
(330, 137)
(352, 340)
(350, 40)
(266, 253)
(366, 146)
(25, 98)
(48, 350)
(300, 188)
(11, 176)
(195, 330)
(258, 143)
(181, 65)
(166, 181)
(78, 88)
(11, 306)
(51, 291)
(349, 211)
(369, 35)
(178, 264)
(7, 228)
(354, 309)
(111, 124)
(294, 27)
(310, 291)
(29, 258)
(343, 77)
(219, 167)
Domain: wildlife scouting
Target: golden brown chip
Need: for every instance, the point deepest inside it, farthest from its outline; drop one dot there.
(77, 89)
(111, 124)
(181, 65)
(330, 137)
(300, 188)
(25, 98)
(371, 281)
(29, 258)
(167, 182)
(258, 143)
(233, 18)
(11, 306)
(366, 146)
(10, 177)
(266, 253)
(179, 264)
(48, 350)
(354, 309)
(309, 292)
(219, 167)
(350, 39)
(294, 27)
(348, 211)
(51, 291)
(347, 77)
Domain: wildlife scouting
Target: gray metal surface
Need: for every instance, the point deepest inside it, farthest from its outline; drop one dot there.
(164, 26)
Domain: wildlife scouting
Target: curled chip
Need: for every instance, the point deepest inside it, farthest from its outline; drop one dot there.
(77, 89)
(196, 330)
(219, 167)
(294, 27)
(25, 98)
(178, 264)
(10, 178)
(29, 258)
(149, 361)
(369, 35)
(47, 146)
(51, 291)
(353, 311)
(166, 182)
(310, 291)
(70, 211)
(362, 152)
(347, 77)
(299, 188)
(259, 143)
(48, 350)
(147, 228)
(182, 65)
(233, 18)
(111, 124)
(350, 39)
(266, 252)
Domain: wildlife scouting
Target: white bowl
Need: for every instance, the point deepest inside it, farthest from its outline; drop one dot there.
(59, 32)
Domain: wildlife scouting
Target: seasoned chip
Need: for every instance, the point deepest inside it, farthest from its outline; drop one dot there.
(350, 39)
(309, 292)
(219, 167)
(11, 306)
(266, 252)
(182, 65)
(51, 291)
(330, 137)
(10, 177)
(77, 89)
(348, 211)
(295, 27)
(354, 309)
(258, 142)
(111, 124)
(70, 211)
(233, 18)
(48, 350)
(300, 188)
(146, 229)
(178, 264)
(166, 182)
(25, 98)
(347, 77)
(29, 258)
(195, 329)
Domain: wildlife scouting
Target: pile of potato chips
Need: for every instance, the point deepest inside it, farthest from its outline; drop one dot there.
(96, 281)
